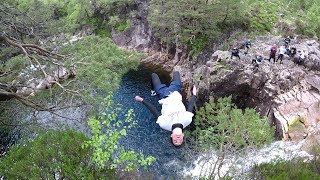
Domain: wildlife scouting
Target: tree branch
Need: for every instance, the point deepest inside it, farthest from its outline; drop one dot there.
(12, 43)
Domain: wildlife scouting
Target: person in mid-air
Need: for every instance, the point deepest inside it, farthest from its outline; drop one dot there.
(174, 116)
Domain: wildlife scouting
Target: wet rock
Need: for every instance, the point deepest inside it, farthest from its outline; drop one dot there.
(311, 142)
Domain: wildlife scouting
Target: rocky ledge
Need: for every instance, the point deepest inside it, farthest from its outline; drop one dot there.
(287, 94)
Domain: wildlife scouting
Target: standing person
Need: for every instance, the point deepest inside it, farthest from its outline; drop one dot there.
(257, 61)
(174, 116)
(302, 57)
(273, 52)
(282, 51)
(293, 51)
(248, 46)
(235, 52)
(287, 41)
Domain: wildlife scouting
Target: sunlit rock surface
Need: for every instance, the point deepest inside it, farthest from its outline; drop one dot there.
(286, 93)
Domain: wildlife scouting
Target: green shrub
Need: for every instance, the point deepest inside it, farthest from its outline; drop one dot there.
(50, 155)
(287, 170)
(223, 126)
(100, 65)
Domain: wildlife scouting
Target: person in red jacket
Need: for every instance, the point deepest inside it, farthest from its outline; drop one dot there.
(273, 52)
(174, 116)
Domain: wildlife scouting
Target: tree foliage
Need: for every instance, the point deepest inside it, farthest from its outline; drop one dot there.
(300, 13)
(185, 21)
(223, 130)
(106, 131)
(223, 126)
(27, 66)
(100, 65)
(195, 23)
(77, 13)
(52, 154)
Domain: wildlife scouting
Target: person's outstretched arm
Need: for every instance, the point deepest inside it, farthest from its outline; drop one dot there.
(151, 107)
(192, 99)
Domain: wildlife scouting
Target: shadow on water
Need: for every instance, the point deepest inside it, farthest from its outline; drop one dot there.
(147, 137)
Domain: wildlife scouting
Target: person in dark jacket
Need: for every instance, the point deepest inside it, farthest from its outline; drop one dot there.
(174, 116)
(292, 51)
(248, 46)
(257, 61)
(235, 52)
(287, 41)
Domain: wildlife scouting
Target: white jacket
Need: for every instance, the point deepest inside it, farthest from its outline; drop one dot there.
(282, 50)
(173, 111)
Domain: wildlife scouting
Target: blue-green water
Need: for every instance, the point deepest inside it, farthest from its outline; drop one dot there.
(147, 137)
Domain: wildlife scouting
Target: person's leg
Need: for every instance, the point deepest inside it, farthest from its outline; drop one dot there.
(176, 77)
(155, 80)
(176, 84)
(159, 88)
(274, 58)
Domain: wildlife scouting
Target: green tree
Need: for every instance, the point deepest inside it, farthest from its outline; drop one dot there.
(222, 126)
(184, 22)
(52, 154)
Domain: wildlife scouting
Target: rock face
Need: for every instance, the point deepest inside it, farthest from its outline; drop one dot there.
(139, 36)
(288, 94)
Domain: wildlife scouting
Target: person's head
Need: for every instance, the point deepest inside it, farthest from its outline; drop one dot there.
(177, 137)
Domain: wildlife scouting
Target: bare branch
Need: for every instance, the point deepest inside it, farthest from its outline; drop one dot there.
(5, 73)
(43, 50)
(39, 65)
(12, 43)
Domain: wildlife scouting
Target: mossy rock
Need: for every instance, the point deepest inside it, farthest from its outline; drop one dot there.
(296, 129)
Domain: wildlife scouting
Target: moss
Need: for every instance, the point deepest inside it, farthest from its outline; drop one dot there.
(124, 25)
(298, 122)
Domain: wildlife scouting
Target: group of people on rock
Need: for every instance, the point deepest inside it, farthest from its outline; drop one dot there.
(284, 49)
